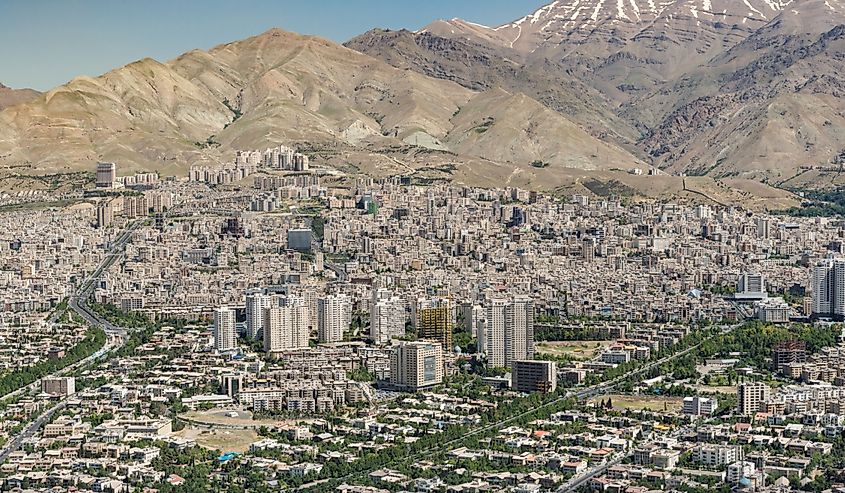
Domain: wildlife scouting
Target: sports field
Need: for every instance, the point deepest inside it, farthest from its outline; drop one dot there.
(222, 440)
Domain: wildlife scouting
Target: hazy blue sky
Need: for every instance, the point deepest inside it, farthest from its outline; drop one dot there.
(48, 42)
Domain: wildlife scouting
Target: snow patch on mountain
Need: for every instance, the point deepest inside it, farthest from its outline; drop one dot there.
(586, 12)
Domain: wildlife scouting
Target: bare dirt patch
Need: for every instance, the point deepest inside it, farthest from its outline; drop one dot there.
(582, 350)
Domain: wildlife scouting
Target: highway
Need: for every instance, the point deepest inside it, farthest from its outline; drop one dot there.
(580, 394)
(339, 271)
(78, 302)
(29, 431)
(111, 343)
(582, 479)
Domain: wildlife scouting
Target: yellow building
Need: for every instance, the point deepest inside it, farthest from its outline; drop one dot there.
(435, 324)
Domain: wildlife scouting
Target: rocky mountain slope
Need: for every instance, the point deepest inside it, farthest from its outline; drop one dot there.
(10, 97)
(480, 66)
(721, 87)
(627, 47)
(281, 87)
(770, 108)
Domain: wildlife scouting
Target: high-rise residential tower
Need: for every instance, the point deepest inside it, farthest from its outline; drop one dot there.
(332, 318)
(508, 331)
(256, 302)
(434, 322)
(750, 396)
(225, 335)
(387, 316)
(828, 284)
(286, 325)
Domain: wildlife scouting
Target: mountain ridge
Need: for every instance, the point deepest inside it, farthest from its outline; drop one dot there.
(669, 81)
(750, 90)
(281, 87)
(11, 97)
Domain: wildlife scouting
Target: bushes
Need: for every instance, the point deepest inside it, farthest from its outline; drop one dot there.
(116, 316)
(94, 340)
(755, 341)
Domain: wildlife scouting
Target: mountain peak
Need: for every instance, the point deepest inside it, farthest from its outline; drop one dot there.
(573, 11)
(274, 32)
(554, 21)
(11, 97)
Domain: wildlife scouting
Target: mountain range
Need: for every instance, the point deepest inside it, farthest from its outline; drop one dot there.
(700, 87)
(571, 96)
(280, 87)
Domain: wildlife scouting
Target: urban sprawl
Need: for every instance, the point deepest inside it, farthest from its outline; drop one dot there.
(272, 325)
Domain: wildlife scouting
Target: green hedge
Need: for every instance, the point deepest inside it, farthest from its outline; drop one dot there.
(94, 340)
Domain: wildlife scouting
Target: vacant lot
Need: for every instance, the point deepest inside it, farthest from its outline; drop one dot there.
(716, 389)
(642, 402)
(243, 419)
(572, 349)
(222, 440)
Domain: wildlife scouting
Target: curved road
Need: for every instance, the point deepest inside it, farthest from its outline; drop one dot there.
(115, 338)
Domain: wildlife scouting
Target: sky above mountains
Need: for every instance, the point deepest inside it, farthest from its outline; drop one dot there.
(48, 42)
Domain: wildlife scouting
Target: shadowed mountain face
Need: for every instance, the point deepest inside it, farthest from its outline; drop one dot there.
(280, 87)
(481, 66)
(719, 87)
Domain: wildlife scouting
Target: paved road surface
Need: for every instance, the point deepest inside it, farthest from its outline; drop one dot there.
(116, 337)
(581, 394)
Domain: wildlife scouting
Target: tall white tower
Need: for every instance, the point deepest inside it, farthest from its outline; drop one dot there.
(286, 326)
(225, 337)
(332, 318)
(256, 302)
(507, 334)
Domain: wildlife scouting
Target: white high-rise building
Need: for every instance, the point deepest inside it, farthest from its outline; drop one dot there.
(700, 406)
(225, 335)
(286, 326)
(333, 314)
(750, 396)
(256, 302)
(507, 334)
(828, 284)
(387, 316)
(491, 337)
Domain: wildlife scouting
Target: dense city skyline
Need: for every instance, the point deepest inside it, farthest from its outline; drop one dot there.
(592, 247)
